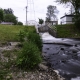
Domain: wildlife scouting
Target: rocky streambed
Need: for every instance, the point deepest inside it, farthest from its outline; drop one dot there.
(9, 71)
(62, 54)
(64, 57)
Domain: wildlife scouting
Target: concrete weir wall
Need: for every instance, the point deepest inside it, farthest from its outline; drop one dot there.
(45, 28)
(52, 32)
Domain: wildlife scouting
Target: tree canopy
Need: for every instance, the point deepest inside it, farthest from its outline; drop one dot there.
(20, 23)
(10, 18)
(7, 15)
(8, 11)
(41, 21)
(1, 15)
(51, 12)
(76, 6)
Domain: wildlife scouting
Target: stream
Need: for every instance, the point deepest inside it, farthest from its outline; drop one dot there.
(63, 55)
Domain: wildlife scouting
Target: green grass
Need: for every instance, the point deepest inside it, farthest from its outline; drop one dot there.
(9, 32)
(67, 31)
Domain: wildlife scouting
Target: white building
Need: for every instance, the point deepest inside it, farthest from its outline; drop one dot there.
(67, 19)
(32, 23)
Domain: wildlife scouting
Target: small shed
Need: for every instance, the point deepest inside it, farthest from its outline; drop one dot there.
(67, 19)
(51, 22)
(7, 23)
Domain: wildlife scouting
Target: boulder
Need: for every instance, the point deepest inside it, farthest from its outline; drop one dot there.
(74, 49)
(42, 67)
(78, 52)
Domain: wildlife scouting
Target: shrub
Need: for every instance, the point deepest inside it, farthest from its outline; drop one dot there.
(35, 38)
(21, 36)
(20, 23)
(29, 57)
(77, 23)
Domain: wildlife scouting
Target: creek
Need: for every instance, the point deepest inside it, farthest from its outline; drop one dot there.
(63, 55)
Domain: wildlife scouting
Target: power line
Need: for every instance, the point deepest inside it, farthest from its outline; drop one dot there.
(30, 6)
(33, 9)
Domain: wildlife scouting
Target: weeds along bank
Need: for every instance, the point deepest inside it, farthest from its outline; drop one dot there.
(26, 55)
(67, 31)
(30, 54)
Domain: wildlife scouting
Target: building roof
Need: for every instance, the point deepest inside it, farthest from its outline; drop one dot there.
(67, 16)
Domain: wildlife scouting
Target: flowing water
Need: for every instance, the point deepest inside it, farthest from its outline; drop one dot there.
(62, 55)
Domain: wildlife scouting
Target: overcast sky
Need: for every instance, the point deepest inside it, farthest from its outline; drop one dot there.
(36, 8)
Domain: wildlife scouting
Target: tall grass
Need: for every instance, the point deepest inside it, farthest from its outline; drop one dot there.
(67, 31)
(9, 32)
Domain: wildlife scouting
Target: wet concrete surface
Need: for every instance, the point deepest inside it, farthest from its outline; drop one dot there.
(64, 58)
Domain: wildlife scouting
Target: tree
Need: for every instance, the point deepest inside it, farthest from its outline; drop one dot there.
(51, 12)
(72, 11)
(20, 23)
(8, 11)
(10, 18)
(76, 6)
(1, 15)
(41, 21)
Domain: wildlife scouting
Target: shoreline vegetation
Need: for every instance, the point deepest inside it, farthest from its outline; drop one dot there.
(19, 61)
(67, 31)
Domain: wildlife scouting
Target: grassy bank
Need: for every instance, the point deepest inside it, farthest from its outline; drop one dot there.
(16, 57)
(67, 31)
(9, 32)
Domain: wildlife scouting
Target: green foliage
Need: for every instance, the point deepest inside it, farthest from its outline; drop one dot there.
(10, 18)
(77, 20)
(30, 29)
(1, 15)
(35, 38)
(41, 21)
(67, 31)
(20, 23)
(51, 12)
(8, 11)
(29, 57)
(76, 6)
(21, 36)
(10, 32)
(2, 74)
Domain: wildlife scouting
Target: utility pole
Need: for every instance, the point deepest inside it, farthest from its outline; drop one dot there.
(26, 14)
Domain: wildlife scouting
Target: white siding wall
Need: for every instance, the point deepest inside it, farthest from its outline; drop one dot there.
(67, 20)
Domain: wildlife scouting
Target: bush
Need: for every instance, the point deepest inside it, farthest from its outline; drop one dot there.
(21, 36)
(20, 23)
(35, 38)
(29, 57)
(77, 23)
